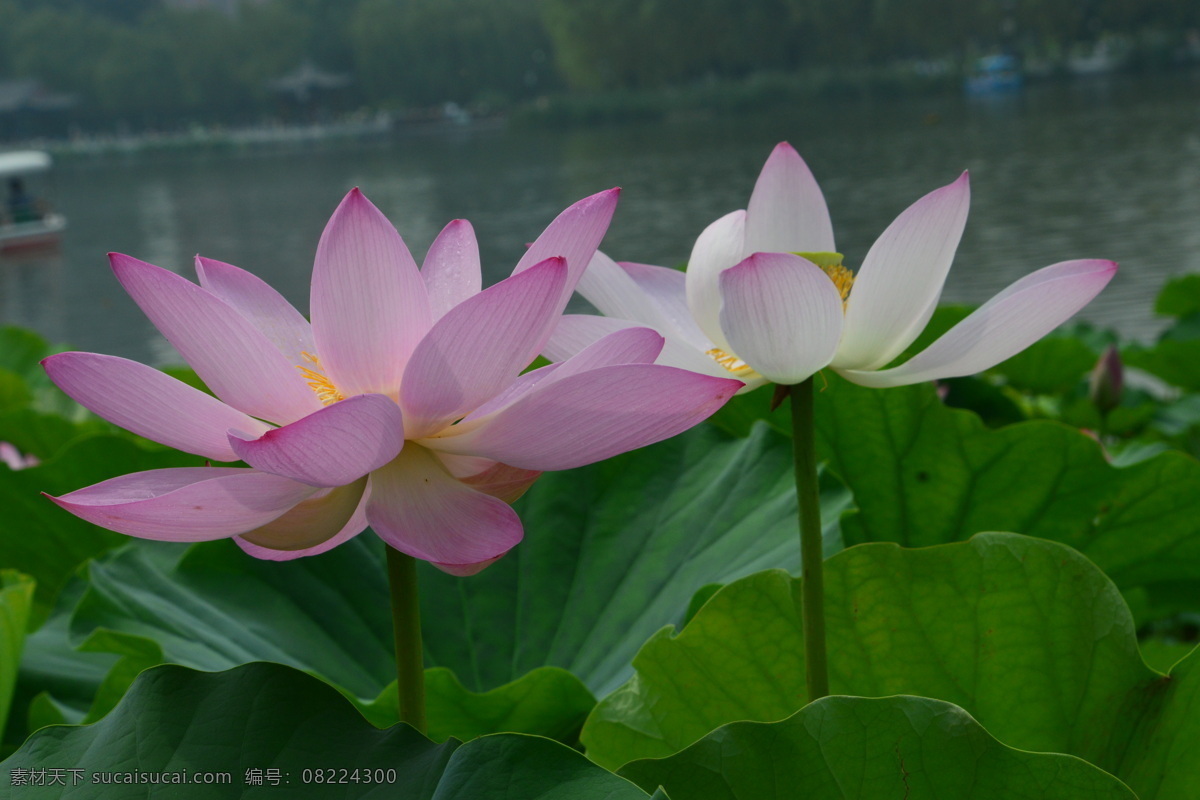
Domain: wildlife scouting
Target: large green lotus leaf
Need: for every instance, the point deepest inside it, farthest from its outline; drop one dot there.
(855, 748)
(44, 541)
(1053, 365)
(21, 350)
(1026, 635)
(16, 602)
(1179, 297)
(14, 392)
(44, 435)
(212, 607)
(925, 474)
(262, 723)
(21, 353)
(616, 550)
(547, 701)
(57, 683)
(1175, 360)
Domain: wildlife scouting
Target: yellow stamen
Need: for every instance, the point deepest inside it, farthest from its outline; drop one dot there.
(843, 280)
(831, 265)
(326, 392)
(729, 362)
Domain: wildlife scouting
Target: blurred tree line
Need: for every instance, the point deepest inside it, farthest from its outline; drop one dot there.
(142, 61)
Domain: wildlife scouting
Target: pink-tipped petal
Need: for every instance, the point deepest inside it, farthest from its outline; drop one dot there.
(614, 292)
(369, 304)
(787, 212)
(626, 346)
(782, 315)
(452, 270)
(480, 346)
(719, 247)
(150, 403)
(325, 507)
(332, 447)
(266, 308)
(193, 504)
(573, 235)
(419, 509)
(1003, 326)
(591, 416)
(668, 289)
(312, 522)
(230, 355)
(901, 277)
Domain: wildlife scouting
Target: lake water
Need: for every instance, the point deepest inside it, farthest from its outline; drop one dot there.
(1106, 169)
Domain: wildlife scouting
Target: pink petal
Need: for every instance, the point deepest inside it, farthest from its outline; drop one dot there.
(230, 355)
(499, 480)
(782, 315)
(332, 447)
(150, 403)
(1003, 326)
(266, 308)
(311, 526)
(353, 527)
(719, 247)
(574, 235)
(451, 270)
(480, 346)
(419, 509)
(592, 416)
(626, 346)
(668, 288)
(193, 504)
(787, 212)
(902, 277)
(369, 304)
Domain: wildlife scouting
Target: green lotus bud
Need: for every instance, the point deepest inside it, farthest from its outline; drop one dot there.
(1106, 381)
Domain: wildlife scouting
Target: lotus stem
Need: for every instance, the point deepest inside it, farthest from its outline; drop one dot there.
(406, 626)
(812, 587)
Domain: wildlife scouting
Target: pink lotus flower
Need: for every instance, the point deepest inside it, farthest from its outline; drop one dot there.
(753, 307)
(401, 406)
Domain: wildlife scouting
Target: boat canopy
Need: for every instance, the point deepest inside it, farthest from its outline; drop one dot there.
(23, 162)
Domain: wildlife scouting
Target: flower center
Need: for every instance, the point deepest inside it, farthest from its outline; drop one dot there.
(831, 265)
(729, 361)
(326, 392)
(843, 280)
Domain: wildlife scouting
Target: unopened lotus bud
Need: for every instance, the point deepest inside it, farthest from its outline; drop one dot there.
(1106, 381)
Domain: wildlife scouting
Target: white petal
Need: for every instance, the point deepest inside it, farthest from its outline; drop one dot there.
(902, 277)
(782, 314)
(787, 212)
(668, 289)
(615, 294)
(719, 247)
(1003, 326)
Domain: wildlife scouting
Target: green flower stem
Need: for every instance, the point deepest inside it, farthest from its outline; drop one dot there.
(812, 587)
(406, 625)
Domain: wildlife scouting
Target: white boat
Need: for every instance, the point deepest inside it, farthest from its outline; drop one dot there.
(26, 219)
